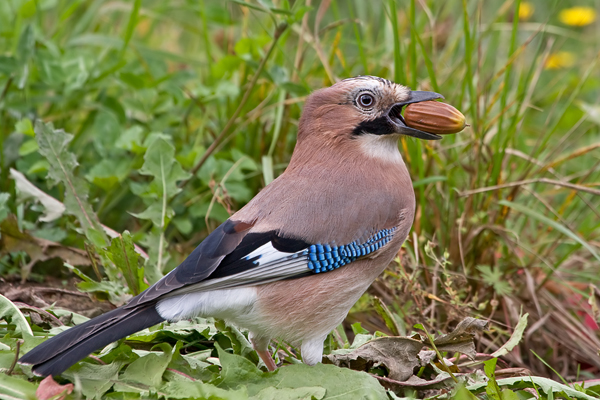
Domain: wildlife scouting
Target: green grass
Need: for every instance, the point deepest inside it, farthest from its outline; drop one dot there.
(218, 88)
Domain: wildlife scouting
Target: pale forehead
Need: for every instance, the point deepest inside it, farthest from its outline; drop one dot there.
(383, 87)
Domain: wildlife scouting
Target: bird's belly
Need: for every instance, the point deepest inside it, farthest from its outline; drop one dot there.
(313, 306)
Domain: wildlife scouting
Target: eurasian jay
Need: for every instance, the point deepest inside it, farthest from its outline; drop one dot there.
(291, 263)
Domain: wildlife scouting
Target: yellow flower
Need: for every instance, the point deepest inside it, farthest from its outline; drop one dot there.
(577, 16)
(525, 10)
(562, 59)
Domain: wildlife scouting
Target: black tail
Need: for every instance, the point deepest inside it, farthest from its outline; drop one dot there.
(57, 354)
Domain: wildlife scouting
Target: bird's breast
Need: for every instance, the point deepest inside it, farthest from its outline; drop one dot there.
(340, 204)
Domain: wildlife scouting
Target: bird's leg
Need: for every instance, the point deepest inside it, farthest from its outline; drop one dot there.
(261, 346)
(267, 359)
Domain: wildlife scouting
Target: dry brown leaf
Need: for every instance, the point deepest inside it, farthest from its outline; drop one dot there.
(460, 340)
(400, 355)
(397, 354)
(38, 249)
(426, 356)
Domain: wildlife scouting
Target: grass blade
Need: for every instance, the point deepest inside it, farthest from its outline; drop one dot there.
(545, 220)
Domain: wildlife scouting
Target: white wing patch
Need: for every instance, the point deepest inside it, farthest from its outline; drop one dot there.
(267, 253)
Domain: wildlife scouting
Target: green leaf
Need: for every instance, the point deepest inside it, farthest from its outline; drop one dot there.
(494, 278)
(545, 220)
(148, 370)
(183, 225)
(215, 211)
(38, 167)
(236, 368)
(26, 45)
(109, 172)
(160, 163)
(462, 393)
(107, 290)
(132, 139)
(358, 329)
(53, 145)
(385, 313)
(158, 213)
(133, 80)
(267, 167)
(239, 343)
(515, 338)
(251, 47)
(28, 147)
(106, 130)
(157, 251)
(339, 383)
(15, 388)
(508, 394)
(302, 393)
(492, 389)
(28, 9)
(25, 127)
(95, 380)
(12, 314)
(122, 253)
(200, 390)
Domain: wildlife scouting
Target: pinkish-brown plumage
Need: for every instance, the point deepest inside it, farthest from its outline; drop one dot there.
(346, 184)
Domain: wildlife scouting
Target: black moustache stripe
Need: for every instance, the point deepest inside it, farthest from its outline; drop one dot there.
(377, 126)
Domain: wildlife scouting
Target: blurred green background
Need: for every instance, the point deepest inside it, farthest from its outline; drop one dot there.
(178, 112)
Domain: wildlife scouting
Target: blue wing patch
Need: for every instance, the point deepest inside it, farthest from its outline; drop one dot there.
(322, 258)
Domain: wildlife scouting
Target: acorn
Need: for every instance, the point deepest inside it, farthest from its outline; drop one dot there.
(434, 117)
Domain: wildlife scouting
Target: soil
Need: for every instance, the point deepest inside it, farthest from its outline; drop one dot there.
(53, 291)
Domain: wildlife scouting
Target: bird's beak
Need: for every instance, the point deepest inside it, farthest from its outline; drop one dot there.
(395, 115)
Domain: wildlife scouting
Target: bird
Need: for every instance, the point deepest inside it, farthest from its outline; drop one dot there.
(289, 264)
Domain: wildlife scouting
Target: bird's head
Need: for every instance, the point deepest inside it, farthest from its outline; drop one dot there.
(364, 108)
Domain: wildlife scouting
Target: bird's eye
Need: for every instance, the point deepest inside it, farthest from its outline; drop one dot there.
(366, 100)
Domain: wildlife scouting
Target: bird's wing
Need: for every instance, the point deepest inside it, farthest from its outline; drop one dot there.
(266, 257)
(233, 257)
